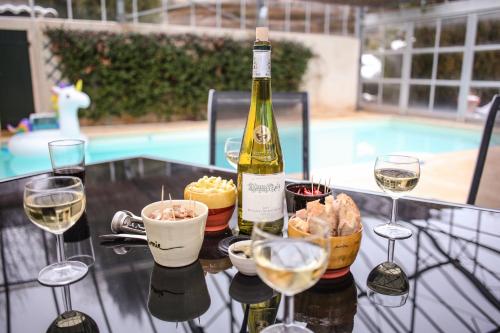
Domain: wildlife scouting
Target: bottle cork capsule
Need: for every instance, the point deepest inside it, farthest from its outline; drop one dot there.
(262, 34)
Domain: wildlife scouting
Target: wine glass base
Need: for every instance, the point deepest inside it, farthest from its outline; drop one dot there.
(293, 328)
(388, 301)
(393, 231)
(83, 258)
(62, 273)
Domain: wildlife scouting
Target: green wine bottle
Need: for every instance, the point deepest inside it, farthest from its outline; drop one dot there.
(261, 180)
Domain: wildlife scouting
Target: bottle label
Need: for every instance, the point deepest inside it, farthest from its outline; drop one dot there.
(262, 134)
(261, 63)
(262, 197)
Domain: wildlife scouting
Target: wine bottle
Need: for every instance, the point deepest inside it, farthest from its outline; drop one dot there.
(261, 180)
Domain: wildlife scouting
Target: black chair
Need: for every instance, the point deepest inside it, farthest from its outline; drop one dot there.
(485, 188)
(227, 113)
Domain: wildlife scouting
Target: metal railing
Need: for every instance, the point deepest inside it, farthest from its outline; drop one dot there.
(281, 15)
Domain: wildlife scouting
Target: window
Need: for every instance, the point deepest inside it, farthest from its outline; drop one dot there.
(419, 96)
(373, 39)
(488, 29)
(369, 92)
(486, 65)
(437, 55)
(485, 94)
(395, 38)
(392, 65)
(424, 34)
(446, 99)
(449, 66)
(453, 31)
(390, 94)
(421, 66)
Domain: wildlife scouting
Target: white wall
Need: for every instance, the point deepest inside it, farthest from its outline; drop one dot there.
(331, 77)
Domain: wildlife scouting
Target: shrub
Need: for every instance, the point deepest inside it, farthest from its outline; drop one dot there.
(167, 75)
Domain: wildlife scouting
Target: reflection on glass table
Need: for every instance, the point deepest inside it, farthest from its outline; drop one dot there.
(78, 244)
(329, 306)
(211, 259)
(178, 294)
(387, 283)
(260, 303)
(72, 321)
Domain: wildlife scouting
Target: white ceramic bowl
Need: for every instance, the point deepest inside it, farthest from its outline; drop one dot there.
(243, 265)
(175, 243)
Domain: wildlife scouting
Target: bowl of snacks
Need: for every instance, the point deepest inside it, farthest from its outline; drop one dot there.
(175, 230)
(297, 195)
(240, 254)
(220, 197)
(344, 218)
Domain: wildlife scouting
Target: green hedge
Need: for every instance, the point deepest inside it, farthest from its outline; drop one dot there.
(167, 75)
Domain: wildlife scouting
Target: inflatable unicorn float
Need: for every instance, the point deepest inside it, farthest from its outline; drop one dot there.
(34, 143)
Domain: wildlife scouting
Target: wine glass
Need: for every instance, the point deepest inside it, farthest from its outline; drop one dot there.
(68, 158)
(55, 204)
(291, 265)
(232, 151)
(396, 175)
(387, 283)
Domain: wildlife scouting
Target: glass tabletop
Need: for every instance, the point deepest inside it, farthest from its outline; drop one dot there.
(452, 264)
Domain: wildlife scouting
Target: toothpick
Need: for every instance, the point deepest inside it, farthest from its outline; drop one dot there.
(171, 206)
(312, 182)
(162, 188)
(319, 184)
(191, 204)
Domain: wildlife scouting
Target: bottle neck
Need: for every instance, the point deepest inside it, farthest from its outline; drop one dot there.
(261, 60)
(261, 74)
(261, 89)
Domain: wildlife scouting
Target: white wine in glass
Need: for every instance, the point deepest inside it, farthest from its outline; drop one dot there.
(55, 204)
(290, 265)
(232, 151)
(55, 212)
(396, 175)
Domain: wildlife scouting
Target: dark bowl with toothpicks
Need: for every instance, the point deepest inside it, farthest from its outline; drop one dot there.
(297, 195)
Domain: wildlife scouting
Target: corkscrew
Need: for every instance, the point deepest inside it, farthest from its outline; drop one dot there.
(126, 222)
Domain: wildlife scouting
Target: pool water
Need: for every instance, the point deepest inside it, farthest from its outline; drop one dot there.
(332, 143)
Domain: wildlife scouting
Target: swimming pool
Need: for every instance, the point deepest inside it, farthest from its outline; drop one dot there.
(332, 143)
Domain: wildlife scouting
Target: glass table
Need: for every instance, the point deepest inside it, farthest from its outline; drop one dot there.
(452, 263)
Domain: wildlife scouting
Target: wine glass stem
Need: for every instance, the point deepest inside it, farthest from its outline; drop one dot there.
(66, 298)
(390, 250)
(60, 258)
(288, 310)
(394, 210)
(60, 248)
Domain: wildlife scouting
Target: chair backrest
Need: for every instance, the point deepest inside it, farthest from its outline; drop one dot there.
(485, 188)
(227, 114)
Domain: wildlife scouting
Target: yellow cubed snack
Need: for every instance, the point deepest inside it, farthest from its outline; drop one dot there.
(215, 192)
